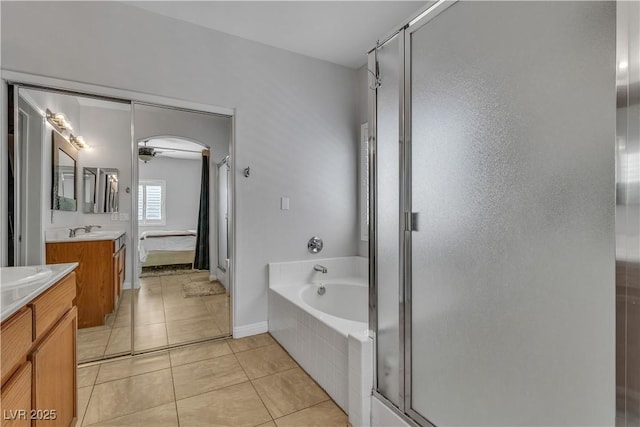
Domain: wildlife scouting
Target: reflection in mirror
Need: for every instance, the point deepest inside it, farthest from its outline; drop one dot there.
(64, 168)
(100, 190)
(89, 182)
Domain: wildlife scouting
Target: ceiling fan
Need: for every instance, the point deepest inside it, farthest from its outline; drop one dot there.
(146, 153)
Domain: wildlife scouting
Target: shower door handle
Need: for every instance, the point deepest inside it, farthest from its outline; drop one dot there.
(411, 221)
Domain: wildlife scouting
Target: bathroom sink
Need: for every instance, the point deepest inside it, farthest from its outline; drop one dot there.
(12, 277)
(96, 233)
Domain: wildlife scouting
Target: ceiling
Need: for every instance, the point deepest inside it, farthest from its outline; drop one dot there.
(175, 148)
(336, 31)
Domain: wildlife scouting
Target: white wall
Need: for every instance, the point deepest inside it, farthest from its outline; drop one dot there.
(296, 123)
(182, 190)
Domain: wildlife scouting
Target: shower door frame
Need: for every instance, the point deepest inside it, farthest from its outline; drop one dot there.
(404, 210)
(405, 33)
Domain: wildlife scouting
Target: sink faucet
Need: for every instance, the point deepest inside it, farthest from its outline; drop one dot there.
(86, 228)
(320, 268)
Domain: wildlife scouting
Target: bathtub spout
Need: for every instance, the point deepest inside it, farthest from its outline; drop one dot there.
(320, 268)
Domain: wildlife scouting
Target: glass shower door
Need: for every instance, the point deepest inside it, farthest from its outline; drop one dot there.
(512, 120)
(385, 63)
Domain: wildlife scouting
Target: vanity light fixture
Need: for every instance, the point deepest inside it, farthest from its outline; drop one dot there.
(78, 142)
(58, 121)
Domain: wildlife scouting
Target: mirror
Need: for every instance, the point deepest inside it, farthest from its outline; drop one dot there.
(64, 167)
(100, 190)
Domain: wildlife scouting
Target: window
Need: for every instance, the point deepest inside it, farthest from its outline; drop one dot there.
(364, 182)
(151, 202)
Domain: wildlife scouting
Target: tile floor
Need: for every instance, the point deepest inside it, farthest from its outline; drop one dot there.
(247, 382)
(162, 316)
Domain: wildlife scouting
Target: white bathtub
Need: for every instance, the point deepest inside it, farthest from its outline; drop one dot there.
(326, 334)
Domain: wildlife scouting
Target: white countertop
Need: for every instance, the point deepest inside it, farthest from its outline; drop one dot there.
(62, 235)
(13, 298)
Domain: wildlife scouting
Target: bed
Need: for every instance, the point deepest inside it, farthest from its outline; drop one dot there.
(167, 247)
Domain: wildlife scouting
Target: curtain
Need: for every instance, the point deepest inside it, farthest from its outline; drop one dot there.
(201, 261)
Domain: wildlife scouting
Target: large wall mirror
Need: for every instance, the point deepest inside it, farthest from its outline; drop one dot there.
(100, 190)
(65, 160)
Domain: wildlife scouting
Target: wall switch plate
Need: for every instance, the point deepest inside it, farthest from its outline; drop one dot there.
(284, 203)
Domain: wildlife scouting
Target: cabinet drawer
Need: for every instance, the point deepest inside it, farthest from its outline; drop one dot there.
(53, 304)
(16, 341)
(54, 372)
(15, 402)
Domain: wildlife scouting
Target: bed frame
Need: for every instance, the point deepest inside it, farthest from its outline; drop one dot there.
(157, 258)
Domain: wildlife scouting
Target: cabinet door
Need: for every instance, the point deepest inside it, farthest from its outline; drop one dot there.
(54, 371)
(16, 399)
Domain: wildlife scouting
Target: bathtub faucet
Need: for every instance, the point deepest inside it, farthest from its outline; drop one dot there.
(320, 268)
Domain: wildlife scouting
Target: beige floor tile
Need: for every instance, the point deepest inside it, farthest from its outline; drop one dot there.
(125, 296)
(150, 336)
(180, 312)
(248, 343)
(93, 330)
(84, 393)
(224, 325)
(87, 375)
(148, 300)
(149, 281)
(207, 375)
(174, 279)
(289, 391)
(326, 414)
(161, 416)
(149, 292)
(269, 424)
(92, 344)
(177, 300)
(220, 298)
(123, 317)
(199, 276)
(192, 329)
(238, 405)
(119, 341)
(149, 315)
(197, 352)
(263, 361)
(128, 395)
(132, 366)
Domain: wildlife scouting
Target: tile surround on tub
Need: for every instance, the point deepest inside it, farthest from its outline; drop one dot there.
(340, 360)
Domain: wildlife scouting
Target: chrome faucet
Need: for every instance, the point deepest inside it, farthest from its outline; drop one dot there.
(73, 231)
(86, 228)
(320, 268)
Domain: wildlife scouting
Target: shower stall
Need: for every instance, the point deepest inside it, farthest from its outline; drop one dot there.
(493, 233)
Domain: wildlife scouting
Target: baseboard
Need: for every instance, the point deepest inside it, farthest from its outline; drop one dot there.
(212, 276)
(252, 329)
(126, 285)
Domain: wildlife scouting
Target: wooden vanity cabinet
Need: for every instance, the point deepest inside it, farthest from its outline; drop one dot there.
(39, 360)
(100, 275)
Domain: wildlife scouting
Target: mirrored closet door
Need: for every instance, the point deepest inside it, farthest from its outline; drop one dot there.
(181, 292)
(138, 203)
(73, 159)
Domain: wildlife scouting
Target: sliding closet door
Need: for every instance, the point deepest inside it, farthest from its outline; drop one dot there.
(387, 243)
(512, 174)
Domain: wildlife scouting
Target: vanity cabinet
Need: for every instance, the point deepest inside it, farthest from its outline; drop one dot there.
(39, 360)
(100, 275)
